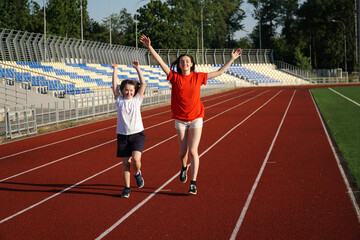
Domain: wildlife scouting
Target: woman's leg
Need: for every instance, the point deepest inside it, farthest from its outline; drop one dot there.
(183, 145)
(126, 170)
(194, 141)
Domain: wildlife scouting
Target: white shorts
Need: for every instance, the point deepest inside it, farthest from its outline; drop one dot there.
(183, 125)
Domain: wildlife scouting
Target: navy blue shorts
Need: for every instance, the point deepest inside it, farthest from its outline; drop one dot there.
(126, 144)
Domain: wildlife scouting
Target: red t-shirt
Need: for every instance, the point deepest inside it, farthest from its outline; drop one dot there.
(185, 95)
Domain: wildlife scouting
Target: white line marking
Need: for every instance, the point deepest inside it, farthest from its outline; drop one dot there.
(250, 196)
(85, 134)
(47, 145)
(64, 190)
(349, 99)
(173, 177)
(77, 184)
(349, 190)
(56, 194)
(58, 160)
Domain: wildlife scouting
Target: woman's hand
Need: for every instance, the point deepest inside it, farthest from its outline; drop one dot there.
(236, 54)
(146, 41)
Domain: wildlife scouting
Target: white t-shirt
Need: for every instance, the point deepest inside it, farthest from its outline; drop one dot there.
(129, 119)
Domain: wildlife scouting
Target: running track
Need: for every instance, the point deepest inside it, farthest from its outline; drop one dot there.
(267, 171)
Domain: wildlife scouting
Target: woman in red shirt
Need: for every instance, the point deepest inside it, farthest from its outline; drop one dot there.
(186, 106)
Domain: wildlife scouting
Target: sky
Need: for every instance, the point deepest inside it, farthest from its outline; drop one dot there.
(99, 9)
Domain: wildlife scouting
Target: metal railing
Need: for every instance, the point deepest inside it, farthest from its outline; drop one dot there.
(24, 46)
(319, 76)
(16, 45)
(26, 119)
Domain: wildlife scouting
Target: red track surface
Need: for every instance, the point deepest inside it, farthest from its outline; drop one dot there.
(267, 171)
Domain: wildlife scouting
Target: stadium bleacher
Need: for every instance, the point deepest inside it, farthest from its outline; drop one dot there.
(80, 78)
(264, 74)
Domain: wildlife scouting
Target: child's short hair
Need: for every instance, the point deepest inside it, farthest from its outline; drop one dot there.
(136, 85)
(177, 62)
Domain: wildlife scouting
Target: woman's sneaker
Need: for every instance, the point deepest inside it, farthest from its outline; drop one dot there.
(139, 180)
(125, 193)
(192, 189)
(183, 174)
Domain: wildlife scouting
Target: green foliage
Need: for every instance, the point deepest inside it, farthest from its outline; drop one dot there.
(183, 23)
(122, 28)
(301, 60)
(15, 14)
(156, 20)
(245, 43)
(64, 17)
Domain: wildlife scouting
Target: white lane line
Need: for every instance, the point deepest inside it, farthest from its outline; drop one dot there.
(250, 196)
(175, 176)
(85, 134)
(56, 194)
(88, 149)
(55, 161)
(76, 184)
(349, 190)
(68, 156)
(50, 144)
(64, 190)
(349, 99)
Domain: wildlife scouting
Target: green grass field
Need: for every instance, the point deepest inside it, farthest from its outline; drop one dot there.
(343, 118)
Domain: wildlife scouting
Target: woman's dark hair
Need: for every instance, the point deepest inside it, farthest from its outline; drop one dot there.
(177, 62)
(131, 82)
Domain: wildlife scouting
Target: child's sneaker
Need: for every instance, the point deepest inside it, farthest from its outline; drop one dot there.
(139, 180)
(183, 174)
(125, 193)
(192, 189)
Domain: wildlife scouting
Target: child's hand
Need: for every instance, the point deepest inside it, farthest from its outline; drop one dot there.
(136, 64)
(146, 41)
(236, 54)
(114, 65)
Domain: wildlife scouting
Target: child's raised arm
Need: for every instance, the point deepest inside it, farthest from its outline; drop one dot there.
(147, 43)
(234, 55)
(141, 90)
(114, 80)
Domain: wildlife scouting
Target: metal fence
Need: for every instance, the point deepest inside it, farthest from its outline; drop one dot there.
(318, 76)
(24, 46)
(25, 119)
(215, 56)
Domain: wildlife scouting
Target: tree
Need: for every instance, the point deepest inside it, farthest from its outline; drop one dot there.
(15, 14)
(325, 37)
(64, 17)
(178, 23)
(268, 13)
(301, 60)
(36, 22)
(156, 20)
(97, 32)
(122, 28)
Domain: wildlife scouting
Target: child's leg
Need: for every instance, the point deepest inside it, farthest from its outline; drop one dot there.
(183, 145)
(126, 170)
(136, 156)
(194, 140)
